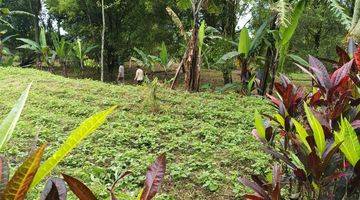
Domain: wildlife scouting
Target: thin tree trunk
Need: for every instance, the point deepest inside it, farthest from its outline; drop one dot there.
(273, 72)
(269, 61)
(102, 39)
(227, 77)
(191, 63)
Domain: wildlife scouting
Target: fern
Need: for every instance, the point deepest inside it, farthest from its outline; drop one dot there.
(340, 13)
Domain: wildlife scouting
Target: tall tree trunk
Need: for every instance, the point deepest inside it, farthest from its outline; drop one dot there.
(102, 40)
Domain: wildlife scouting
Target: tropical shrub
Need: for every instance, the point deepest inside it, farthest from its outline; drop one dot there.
(42, 49)
(313, 136)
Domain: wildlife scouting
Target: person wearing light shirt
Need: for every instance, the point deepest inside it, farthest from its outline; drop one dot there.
(139, 76)
(121, 75)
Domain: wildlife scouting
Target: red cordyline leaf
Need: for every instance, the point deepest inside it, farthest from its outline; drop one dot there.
(255, 187)
(78, 188)
(357, 58)
(154, 177)
(281, 89)
(4, 174)
(314, 162)
(55, 189)
(276, 181)
(320, 72)
(315, 98)
(343, 56)
(112, 189)
(340, 73)
(275, 101)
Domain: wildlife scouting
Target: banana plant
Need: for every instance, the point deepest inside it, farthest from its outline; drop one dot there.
(6, 57)
(286, 31)
(246, 52)
(81, 51)
(63, 51)
(165, 61)
(146, 61)
(41, 48)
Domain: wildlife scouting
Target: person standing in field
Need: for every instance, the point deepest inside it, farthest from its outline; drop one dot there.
(121, 75)
(139, 76)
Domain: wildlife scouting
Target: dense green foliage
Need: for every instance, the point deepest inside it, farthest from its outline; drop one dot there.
(206, 136)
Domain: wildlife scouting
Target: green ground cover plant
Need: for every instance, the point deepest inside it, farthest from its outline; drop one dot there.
(205, 136)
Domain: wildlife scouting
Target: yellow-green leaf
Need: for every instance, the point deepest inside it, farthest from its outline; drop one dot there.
(302, 134)
(244, 42)
(74, 139)
(280, 119)
(140, 194)
(201, 36)
(8, 124)
(259, 125)
(317, 129)
(350, 144)
(19, 184)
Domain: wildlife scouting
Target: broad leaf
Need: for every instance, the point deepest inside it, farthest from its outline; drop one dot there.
(299, 60)
(226, 57)
(78, 188)
(321, 73)
(341, 73)
(74, 139)
(164, 54)
(317, 129)
(201, 36)
(286, 33)
(302, 134)
(255, 187)
(244, 42)
(31, 43)
(154, 177)
(19, 184)
(258, 36)
(259, 125)
(8, 124)
(350, 144)
(42, 38)
(55, 189)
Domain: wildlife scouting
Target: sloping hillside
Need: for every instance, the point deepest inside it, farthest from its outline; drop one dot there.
(206, 136)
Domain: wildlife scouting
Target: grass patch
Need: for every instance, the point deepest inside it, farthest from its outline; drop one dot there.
(206, 136)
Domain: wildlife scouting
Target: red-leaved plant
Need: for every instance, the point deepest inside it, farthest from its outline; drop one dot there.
(313, 135)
